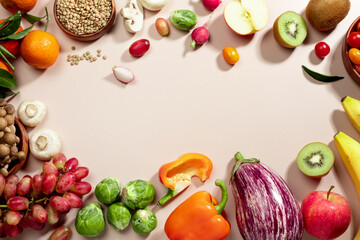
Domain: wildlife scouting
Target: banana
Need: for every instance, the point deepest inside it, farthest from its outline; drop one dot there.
(352, 109)
(349, 150)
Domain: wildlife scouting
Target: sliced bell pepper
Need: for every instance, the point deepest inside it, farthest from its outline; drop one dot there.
(176, 175)
(199, 217)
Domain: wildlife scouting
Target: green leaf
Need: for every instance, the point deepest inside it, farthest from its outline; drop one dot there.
(7, 79)
(321, 77)
(6, 92)
(31, 18)
(6, 52)
(17, 36)
(12, 25)
(7, 61)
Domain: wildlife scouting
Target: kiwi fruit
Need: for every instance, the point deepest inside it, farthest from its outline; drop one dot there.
(324, 15)
(290, 29)
(315, 159)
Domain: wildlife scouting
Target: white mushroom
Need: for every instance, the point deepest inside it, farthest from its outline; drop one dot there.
(153, 5)
(44, 144)
(31, 113)
(133, 16)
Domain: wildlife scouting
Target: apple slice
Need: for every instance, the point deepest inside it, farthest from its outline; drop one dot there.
(245, 17)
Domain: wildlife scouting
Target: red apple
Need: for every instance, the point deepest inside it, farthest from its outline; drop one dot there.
(326, 215)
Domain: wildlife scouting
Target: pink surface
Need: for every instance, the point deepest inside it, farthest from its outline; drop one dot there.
(184, 100)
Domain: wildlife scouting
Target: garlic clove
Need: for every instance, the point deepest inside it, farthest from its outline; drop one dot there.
(31, 113)
(153, 5)
(44, 144)
(123, 74)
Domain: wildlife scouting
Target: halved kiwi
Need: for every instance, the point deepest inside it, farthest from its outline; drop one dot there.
(290, 29)
(315, 159)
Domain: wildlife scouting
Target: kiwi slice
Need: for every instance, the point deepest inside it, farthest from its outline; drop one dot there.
(290, 29)
(315, 159)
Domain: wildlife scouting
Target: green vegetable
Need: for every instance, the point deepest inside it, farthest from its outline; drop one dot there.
(321, 77)
(90, 221)
(183, 19)
(108, 190)
(138, 194)
(118, 216)
(144, 221)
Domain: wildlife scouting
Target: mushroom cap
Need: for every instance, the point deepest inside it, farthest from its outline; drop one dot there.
(31, 113)
(133, 16)
(44, 144)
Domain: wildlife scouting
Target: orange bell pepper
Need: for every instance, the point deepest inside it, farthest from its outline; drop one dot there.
(176, 175)
(199, 217)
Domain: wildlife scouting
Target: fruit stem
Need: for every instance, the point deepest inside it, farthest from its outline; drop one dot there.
(47, 19)
(328, 193)
(3, 206)
(193, 43)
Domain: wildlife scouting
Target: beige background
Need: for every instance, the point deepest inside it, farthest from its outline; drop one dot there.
(193, 101)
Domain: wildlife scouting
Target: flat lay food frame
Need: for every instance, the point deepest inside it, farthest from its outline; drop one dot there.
(180, 120)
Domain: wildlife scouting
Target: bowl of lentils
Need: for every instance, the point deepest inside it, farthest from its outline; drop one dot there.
(84, 20)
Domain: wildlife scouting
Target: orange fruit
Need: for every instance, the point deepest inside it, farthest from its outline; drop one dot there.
(3, 65)
(13, 46)
(23, 6)
(39, 49)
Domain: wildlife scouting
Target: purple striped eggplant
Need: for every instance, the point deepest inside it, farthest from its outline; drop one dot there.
(265, 206)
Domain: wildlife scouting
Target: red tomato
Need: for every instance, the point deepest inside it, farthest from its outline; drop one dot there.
(322, 49)
(230, 55)
(354, 40)
(354, 55)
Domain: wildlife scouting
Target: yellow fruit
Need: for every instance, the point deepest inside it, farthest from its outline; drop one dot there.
(352, 109)
(23, 6)
(349, 150)
(39, 49)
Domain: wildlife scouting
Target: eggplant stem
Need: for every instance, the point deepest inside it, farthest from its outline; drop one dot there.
(328, 193)
(224, 196)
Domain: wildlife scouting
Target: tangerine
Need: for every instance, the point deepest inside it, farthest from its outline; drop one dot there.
(23, 6)
(39, 49)
(5, 66)
(13, 46)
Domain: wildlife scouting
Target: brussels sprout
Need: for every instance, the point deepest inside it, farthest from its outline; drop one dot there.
(108, 190)
(90, 221)
(183, 19)
(118, 216)
(144, 221)
(138, 194)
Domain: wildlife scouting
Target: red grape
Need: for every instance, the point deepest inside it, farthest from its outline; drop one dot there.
(81, 172)
(36, 183)
(48, 184)
(24, 186)
(75, 200)
(60, 204)
(33, 223)
(2, 233)
(9, 190)
(2, 184)
(23, 223)
(11, 231)
(59, 161)
(18, 203)
(139, 47)
(71, 164)
(48, 168)
(12, 179)
(81, 188)
(13, 217)
(53, 214)
(65, 182)
(322, 49)
(61, 233)
(39, 213)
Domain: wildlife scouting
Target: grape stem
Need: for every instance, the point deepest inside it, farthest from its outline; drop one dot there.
(3, 206)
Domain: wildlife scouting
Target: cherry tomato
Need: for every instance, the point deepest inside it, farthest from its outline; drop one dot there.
(322, 49)
(358, 27)
(230, 55)
(354, 40)
(354, 55)
(139, 47)
(357, 68)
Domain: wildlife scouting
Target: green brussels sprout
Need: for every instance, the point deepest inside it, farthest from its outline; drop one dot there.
(108, 190)
(138, 194)
(183, 19)
(118, 216)
(144, 221)
(90, 221)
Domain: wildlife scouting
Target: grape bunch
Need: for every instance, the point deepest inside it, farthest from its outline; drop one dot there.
(34, 201)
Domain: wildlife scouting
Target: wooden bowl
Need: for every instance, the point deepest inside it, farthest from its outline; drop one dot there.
(345, 54)
(21, 132)
(92, 36)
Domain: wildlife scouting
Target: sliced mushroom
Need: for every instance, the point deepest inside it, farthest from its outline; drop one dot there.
(31, 113)
(44, 144)
(153, 5)
(133, 16)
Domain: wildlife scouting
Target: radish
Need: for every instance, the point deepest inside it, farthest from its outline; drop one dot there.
(123, 74)
(200, 35)
(211, 4)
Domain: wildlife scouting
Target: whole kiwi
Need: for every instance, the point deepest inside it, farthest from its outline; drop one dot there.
(324, 15)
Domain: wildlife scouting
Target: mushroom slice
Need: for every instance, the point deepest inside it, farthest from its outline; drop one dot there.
(31, 113)
(153, 5)
(133, 16)
(44, 144)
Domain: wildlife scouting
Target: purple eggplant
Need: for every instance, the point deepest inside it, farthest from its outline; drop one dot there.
(265, 206)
